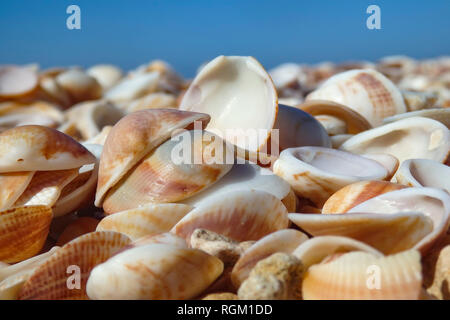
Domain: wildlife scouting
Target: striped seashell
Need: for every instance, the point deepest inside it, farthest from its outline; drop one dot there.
(77, 228)
(51, 280)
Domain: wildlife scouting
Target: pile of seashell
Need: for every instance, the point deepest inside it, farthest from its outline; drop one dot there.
(343, 193)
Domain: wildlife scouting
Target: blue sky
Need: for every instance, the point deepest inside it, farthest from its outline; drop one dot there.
(188, 32)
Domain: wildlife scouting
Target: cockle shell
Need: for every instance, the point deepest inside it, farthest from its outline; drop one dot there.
(240, 215)
(389, 233)
(146, 220)
(79, 85)
(16, 81)
(154, 271)
(13, 184)
(161, 238)
(166, 176)
(424, 173)
(431, 140)
(434, 203)
(238, 94)
(77, 228)
(353, 194)
(314, 250)
(367, 92)
(244, 176)
(105, 74)
(23, 231)
(354, 122)
(438, 114)
(90, 117)
(316, 173)
(51, 280)
(32, 148)
(361, 275)
(13, 277)
(135, 136)
(285, 240)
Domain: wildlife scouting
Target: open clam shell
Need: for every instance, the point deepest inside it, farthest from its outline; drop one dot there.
(388, 161)
(438, 114)
(361, 275)
(146, 220)
(316, 249)
(33, 148)
(16, 81)
(353, 194)
(424, 173)
(367, 92)
(23, 231)
(389, 233)
(240, 215)
(286, 240)
(79, 85)
(154, 271)
(130, 88)
(134, 137)
(50, 280)
(316, 173)
(433, 203)
(239, 96)
(431, 140)
(167, 176)
(353, 121)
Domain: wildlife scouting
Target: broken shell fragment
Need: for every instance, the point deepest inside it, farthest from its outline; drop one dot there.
(23, 231)
(150, 219)
(240, 215)
(285, 240)
(431, 140)
(239, 96)
(154, 272)
(367, 92)
(51, 280)
(405, 229)
(316, 173)
(361, 275)
(424, 173)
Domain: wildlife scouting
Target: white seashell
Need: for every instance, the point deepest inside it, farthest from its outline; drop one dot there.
(132, 88)
(439, 114)
(107, 75)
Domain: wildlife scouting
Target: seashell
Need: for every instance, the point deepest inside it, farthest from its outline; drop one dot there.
(316, 249)
(31, 148)
(150, 101)
(132, 88)
(332, 125)
(45, 187)
(238, 94)
(79, 85)
(154, 271)
(439, 114)
(285, 240)
(240, 215)
(146, 220)
(105, 74)
(361, 275)
(99, 139)
(418, 100)
(367, 92)
(339, 139)
(286, 75)
(405, 229)
(90, 117)
(51, 280)
(50, 90)
(308, 171)
(244, 176)
(431, 140)
(161, 238)
(290, 201)
(16, 81)
(13, 277)
(354, 122)
(441, 282)
(424, 173)
(13, 185)
(77, 228)
(396, 66)
(221, 296)
(162, 177)
(353, 194)
(23, 231)
(389, 162)
(433, 203)
(135, 136)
